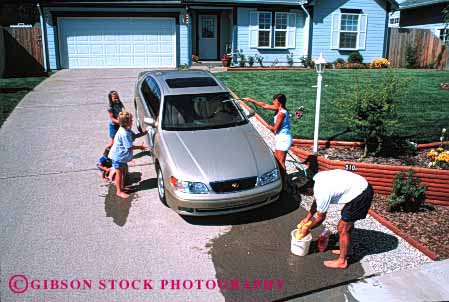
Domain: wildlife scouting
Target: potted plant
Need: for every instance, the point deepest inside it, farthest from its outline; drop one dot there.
(195, 58)
(226, 60)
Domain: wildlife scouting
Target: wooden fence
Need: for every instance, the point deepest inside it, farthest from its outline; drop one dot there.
(23, 48)
(432, 52)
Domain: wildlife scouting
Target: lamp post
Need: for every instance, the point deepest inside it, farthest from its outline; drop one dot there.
(320, 65)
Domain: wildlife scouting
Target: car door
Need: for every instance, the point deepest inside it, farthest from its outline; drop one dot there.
(151, 97)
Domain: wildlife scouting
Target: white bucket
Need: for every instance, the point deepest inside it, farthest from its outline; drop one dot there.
(300, 247)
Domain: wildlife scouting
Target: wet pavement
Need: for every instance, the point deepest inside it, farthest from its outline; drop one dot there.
(59, 221)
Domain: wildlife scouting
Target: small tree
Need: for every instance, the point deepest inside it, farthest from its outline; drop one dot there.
(411, 55)
(408, 193)
(370, 109)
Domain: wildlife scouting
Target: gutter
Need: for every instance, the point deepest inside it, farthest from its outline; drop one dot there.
(43, 35)
(306, 30)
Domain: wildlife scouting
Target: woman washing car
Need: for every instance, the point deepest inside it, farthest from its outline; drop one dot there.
(281, 127)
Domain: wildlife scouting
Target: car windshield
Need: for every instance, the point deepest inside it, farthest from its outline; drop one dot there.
(201, 111)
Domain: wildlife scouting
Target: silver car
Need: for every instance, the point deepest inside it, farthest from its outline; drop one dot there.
(208, 157)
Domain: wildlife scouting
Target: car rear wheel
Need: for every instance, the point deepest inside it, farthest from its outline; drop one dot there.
(161, 185)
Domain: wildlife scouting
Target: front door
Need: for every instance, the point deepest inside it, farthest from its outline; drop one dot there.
(207, 37)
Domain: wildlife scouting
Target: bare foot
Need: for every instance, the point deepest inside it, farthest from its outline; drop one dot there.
(122, 195)
(336, 264)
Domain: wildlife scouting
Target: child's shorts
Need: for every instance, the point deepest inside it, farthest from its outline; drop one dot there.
(113, 128)
(117, 164)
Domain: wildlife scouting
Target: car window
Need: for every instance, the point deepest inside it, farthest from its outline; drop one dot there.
(152, 95)
(201, 111)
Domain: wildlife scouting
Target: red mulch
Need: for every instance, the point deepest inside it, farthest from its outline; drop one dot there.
(356, 155)
(429, 226)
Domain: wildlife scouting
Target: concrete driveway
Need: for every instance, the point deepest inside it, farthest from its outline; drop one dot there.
(59, 222)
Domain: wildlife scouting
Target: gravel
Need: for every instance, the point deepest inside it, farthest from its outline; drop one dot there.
(380, 252)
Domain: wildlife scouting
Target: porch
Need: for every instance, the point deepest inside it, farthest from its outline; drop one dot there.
(212, 30)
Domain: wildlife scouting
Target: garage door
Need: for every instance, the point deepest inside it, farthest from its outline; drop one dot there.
(117, 42)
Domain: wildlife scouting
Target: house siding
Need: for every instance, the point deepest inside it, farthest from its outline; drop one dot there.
(269, 55)
(183, 46)
(376, 28)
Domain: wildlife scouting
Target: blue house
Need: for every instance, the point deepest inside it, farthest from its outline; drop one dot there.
(165, 34)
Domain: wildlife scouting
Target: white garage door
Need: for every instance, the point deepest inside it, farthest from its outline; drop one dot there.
(117, 42)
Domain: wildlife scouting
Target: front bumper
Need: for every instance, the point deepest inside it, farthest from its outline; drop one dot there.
(218, 204)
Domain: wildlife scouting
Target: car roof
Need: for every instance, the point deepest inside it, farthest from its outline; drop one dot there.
(162, 76)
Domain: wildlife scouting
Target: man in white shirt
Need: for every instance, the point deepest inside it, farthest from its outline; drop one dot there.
(338, 187)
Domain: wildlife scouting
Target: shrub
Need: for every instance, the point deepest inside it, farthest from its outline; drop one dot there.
(251, 61)
(370, 109)
(411, 55)
(242, 60)
(351, 66)
(307, 62)
(380, 63)
(275, 63)
(408, 193)
(340, 61)
(259, 60)
(355, 57)
(290, 61)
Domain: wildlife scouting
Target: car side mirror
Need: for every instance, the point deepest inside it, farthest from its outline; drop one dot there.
(149, 122)
(250, 113)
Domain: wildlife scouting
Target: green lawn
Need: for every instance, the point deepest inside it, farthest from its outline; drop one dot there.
(12, 91)
(423, 109)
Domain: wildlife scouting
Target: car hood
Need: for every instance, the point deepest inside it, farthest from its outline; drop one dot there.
(218, 154)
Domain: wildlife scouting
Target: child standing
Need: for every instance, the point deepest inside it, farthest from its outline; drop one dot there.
(122, 150)
(115, 107)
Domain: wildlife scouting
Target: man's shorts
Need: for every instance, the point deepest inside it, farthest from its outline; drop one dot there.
(358, 208)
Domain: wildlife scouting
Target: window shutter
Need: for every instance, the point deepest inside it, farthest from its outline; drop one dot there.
(363, 22)
(253, 29)
(335, 30)
(291, 30)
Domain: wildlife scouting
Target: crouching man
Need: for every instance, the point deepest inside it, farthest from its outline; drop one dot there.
(338, 187)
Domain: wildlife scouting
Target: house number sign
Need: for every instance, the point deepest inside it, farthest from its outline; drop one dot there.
(350, 167)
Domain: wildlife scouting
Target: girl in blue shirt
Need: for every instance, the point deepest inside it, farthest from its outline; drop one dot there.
(281, 127)
(115, 107)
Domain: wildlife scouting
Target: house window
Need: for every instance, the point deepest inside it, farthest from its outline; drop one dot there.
(272, 29)
(349, 31)
(264, 29)
(280, 30)
(444, 35)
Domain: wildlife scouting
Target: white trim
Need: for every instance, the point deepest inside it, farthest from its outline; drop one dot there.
(335, 44)
(64, 64)
(306, 32)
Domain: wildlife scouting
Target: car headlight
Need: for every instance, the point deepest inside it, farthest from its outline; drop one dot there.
(188, 186)
(268, 177)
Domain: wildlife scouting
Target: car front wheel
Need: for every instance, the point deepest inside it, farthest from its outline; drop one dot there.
(161, 185)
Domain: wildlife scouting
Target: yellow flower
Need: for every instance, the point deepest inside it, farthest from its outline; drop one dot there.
(440, 149)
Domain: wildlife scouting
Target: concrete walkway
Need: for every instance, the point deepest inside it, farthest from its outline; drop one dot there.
(426, 283)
